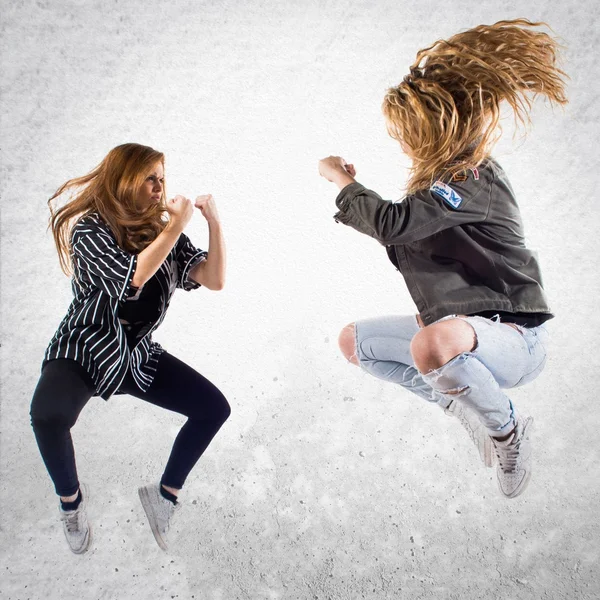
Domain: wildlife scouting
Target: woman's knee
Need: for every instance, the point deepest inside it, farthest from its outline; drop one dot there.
(62, 391)
(347, 343)
(225, 410)
(48, 417)
(219, 410)
(435, 345)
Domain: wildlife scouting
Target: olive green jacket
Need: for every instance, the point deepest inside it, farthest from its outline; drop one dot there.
(459, 245)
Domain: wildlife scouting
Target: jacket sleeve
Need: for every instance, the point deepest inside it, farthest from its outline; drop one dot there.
(98, 259)
(418, 216)
(188, 256)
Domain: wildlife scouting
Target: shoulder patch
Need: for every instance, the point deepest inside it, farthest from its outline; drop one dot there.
(448, 195)
(475, 172)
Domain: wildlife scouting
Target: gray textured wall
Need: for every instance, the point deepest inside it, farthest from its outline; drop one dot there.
(324, 483)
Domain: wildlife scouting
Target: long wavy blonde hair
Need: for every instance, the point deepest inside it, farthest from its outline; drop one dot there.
(111, 190)
(446, 111)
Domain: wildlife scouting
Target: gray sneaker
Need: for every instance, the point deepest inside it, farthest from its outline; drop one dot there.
(159, 511)
(477, 432)
(75, 524)
(514, 459)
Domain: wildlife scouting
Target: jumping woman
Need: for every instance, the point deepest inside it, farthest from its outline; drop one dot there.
(457, 238)
(124, 244)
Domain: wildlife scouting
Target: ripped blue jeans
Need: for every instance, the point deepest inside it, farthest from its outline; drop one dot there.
(503, 357)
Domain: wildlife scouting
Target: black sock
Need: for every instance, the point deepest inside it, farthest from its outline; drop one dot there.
(72, 505)
(167, 495)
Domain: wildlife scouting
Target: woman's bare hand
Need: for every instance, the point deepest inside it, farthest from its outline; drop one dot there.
(206, 204)
(180, 210)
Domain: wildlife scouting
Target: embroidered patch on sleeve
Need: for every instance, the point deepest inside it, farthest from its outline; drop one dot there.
(449, 196)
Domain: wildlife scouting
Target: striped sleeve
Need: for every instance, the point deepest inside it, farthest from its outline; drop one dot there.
(188, 256)
(98, 258)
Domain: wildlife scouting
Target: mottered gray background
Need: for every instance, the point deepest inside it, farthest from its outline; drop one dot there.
(325, 483)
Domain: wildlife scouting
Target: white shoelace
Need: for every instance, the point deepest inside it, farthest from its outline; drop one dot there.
(72, 521)
(508, 455)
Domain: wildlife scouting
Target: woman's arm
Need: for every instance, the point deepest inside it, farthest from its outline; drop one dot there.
(337, 170)
(419, 215)
(149, 260)
(211, 272)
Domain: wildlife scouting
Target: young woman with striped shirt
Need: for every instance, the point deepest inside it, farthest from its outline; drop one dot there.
(125, 246)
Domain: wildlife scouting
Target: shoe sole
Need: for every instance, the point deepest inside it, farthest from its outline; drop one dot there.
(85, 492)
(488, 453)
(147, 506)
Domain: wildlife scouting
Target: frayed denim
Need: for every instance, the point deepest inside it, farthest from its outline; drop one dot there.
(503, 357)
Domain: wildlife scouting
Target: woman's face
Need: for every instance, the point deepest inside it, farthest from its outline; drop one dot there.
(152, 188)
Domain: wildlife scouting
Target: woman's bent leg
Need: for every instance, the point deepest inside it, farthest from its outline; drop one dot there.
(180, 388)
(63, 390)
(382, 348)
(502, 357)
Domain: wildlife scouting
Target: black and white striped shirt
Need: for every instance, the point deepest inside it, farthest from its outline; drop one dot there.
(91, 332)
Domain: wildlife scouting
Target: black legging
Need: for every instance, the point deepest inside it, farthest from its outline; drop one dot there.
(65, 387)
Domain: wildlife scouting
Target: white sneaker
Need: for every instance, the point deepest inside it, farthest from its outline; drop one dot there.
(75, 524)
(514, 459)
(159, 511)
(477, 432)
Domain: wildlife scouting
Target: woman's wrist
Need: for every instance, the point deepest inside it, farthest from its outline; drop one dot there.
(342, 178)
(173, 226)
